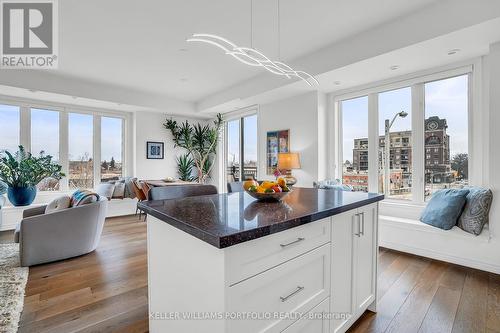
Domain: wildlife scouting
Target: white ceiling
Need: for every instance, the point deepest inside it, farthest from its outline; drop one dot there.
(141, 45)
(132, 55)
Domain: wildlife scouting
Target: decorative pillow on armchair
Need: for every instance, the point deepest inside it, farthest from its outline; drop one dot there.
(83, 197)
(444, 208)
(476, 210)
(59, 203)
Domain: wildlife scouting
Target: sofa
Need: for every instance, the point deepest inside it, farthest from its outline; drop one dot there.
(59, 235)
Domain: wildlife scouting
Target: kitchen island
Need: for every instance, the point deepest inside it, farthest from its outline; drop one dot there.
(228, 263)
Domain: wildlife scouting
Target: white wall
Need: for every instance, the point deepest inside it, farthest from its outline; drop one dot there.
(148, 126)
(300, 114)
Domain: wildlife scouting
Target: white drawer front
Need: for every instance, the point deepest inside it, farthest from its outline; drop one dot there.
(253, 257)
(315, 321)
(296, 286)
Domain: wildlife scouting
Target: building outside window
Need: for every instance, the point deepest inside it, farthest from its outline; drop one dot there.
(355, 143)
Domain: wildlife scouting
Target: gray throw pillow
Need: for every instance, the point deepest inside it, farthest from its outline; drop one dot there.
(476, 211)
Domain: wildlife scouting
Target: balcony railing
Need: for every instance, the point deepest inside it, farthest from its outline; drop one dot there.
(233, 173)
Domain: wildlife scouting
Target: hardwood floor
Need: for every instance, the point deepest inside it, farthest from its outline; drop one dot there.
(106, 291)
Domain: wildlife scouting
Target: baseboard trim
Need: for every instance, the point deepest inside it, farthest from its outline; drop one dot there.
(441, 256)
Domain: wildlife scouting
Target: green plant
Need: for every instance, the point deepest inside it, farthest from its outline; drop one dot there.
(185, 166)
(24, 170)
(200, 141)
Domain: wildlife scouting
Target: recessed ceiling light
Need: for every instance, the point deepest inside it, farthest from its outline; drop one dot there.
(184, 79)
(337, 83)
(183, 50)
(394, 67)
(454, 51)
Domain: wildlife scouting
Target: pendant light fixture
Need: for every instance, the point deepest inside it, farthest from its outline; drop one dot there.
(253, 57)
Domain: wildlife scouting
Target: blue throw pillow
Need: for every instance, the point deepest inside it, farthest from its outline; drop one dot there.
(444, 208)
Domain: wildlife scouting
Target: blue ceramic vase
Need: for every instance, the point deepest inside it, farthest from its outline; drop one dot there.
(21, 196)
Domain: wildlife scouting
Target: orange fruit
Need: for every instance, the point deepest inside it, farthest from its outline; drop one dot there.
(268, 184)
(249, 183)
(281, 182)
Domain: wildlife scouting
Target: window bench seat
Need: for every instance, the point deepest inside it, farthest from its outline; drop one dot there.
(454, 245)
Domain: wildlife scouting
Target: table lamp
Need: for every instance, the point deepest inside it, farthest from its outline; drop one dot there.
(287, 162)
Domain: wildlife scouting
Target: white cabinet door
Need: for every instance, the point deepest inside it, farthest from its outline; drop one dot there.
(365, 239)
(342, 304)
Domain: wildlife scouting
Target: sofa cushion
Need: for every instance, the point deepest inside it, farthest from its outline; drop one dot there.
(476, 210)
(83, 197)
(105, 190)
(59, 203)
(444, 208)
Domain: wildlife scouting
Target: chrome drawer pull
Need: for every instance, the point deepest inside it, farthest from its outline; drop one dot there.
(358, 220)
(362, 231)
(298, 290)
(300, 239)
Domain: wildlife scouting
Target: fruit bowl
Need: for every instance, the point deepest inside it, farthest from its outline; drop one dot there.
(278, 196)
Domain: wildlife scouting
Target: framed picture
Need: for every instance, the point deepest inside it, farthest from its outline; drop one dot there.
(277, 142)
(154, 150)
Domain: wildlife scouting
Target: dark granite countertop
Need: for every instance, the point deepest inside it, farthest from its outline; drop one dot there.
(228, 219)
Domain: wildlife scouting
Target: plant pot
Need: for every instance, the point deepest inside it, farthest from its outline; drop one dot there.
(21, 196)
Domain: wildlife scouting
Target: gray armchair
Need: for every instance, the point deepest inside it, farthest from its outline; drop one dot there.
(60, 235)
(2, 202)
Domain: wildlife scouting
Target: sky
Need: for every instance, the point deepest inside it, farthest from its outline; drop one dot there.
(250, 139)
(45, 133)
(445, 99)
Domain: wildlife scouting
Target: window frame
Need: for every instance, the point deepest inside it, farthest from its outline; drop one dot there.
(25, 105)
(237, 115)
(416, 81)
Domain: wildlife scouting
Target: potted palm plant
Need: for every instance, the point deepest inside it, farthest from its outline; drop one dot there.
(22, 171)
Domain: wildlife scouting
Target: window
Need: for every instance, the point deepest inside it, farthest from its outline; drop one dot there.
(355, 143)
(9, 127)
(427, 136)
(81, 168)
(446, 132)
(394, 109)
(111, 148)
(233, 150)
(45, 138)
(250, 147)
(241, 148)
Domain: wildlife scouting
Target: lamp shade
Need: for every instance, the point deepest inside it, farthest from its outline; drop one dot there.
(288, 161)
